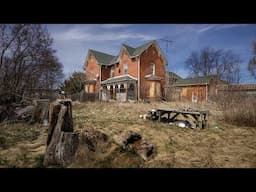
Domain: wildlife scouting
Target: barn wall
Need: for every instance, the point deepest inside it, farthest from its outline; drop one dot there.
(198, 90)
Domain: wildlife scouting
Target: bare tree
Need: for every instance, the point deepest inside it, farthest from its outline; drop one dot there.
(27, 60)
(252, 62)
(209, 61)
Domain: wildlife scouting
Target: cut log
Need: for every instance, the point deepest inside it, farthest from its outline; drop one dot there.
(61, 141)
(132, 141)
(66, 148)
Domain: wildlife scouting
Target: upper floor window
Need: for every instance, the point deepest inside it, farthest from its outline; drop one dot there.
(125, 68)
(152, 68)
(112, 72)
(91, 74)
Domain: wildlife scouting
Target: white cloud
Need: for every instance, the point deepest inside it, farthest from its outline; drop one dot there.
(77, 34)
(207, 28)
(217, 27)
(112, 26)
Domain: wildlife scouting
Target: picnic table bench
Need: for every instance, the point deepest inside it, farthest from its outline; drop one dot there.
(200, 117)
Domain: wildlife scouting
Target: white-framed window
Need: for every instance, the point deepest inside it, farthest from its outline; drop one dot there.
(125, 68)
(152, 68)
(112, 71)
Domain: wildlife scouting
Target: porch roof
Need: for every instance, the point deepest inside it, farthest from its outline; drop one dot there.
(117, 79)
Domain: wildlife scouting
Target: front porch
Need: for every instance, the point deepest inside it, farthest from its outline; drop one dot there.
(122, 89)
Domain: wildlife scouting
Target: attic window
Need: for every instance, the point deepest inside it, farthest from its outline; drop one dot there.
(125, 68)
(91, 74)
(152, 68)
(112, 71)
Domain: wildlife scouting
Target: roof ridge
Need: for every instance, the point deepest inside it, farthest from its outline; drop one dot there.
(101, 52)
(128, 45)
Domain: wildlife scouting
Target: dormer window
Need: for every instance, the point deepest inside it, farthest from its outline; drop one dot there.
(152, 68)
(125, 68)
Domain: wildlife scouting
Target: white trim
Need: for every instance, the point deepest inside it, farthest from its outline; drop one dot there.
(206, 92)
(138, 94)
(111, 78)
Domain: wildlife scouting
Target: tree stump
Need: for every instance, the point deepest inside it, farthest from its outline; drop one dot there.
(61, 141)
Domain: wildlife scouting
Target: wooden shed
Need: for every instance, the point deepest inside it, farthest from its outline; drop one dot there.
(196, 89)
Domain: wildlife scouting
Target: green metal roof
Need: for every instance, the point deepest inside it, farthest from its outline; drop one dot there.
(129, 49)
(119, 79)
(173, 75)
(142, 48)
(102, 58)
(106, 59)
(194, 81)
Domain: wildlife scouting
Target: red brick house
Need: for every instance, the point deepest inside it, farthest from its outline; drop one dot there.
(135, 73)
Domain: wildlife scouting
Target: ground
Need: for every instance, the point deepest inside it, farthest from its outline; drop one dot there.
(220, 145)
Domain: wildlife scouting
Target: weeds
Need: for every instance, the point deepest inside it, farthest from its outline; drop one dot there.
(239, 110)
(39, 160)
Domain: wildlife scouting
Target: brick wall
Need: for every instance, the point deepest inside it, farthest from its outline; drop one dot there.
(149, 56)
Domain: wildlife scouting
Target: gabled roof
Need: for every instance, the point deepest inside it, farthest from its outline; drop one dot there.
(101, 57)
(142, 48)
(129, 49)
(173, 75)
(194, 81)
(106, 59)
(119, 79)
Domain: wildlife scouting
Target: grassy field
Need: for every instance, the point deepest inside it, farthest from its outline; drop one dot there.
(220, 145)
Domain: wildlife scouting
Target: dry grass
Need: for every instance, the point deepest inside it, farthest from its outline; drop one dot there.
(239, 110)
(218, 146)
(23, 145)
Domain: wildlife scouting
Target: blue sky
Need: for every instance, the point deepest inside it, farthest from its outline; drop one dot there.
(72, 41)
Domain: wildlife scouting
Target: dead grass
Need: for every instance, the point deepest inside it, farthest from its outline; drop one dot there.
(221, 145)
(239, 110)
(23, 145)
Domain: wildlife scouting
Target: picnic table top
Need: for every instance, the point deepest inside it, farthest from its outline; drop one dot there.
(195, 112)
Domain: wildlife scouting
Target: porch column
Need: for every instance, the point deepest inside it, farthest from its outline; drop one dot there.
(126, 91)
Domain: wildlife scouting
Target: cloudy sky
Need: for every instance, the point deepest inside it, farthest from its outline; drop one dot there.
(72, 41)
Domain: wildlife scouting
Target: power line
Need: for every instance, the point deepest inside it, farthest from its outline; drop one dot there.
(167, 42)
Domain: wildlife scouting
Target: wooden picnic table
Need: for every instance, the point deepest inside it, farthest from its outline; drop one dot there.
(200, 117)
